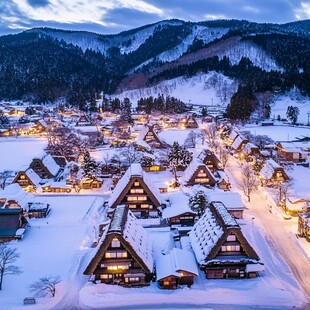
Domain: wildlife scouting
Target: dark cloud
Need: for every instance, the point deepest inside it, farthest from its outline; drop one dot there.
(12, 20)
(38, 3)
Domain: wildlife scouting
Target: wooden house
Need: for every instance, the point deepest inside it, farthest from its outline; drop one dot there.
(251, 149)
(304, 224)
(239, 143)
(84, 120)
(136, 189)
(210, 160)
(27, 179)
(232, 136)
(177, 211)
(38, 210)
(149, 136)
(231, 200)
(272, 173)
(56, 187)
(45, 167)
(220, 247)
(124, 254)
(12, 224)
(13, 196)
(178, 267)
(87, 183)
(288, 151)
(198, 173)
(189, 122)
(222, 180)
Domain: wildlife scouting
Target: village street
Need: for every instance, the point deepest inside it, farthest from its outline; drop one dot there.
(276, 229)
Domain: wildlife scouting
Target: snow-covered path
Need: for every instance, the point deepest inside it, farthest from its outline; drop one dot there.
(277, 231)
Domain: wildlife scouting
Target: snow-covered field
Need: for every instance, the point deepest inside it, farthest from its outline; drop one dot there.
(203, 89)
(279, 132)
(19, 152)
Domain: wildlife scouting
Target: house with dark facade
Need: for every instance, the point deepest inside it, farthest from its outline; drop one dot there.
(136, 190)
(272, 173)
(124, 253)
(12, 224)
(149, 136)
(198, 173)
(27, 179)
(304, 224)
(45, 167)
(220, 247)
(210, 160)
(176, 268)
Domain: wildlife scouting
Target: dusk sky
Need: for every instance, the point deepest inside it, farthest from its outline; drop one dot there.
(113, 16)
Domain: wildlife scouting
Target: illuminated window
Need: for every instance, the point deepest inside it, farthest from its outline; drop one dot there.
(118, 267)
(136, 191)
(110, 255)
(136, 183)
(132, 206)
(104, 276)
(202, 180)
(166, 282)
(142, 198)
(144, 206)
(231, 248)
(22, 177)
(154, 168)
(115, 243)
(122, 254)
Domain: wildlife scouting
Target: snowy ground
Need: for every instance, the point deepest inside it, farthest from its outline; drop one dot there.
(58, 246)
(278, 132)
(18, 152)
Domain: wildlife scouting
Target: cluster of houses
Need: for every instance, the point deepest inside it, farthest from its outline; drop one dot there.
(274, 159)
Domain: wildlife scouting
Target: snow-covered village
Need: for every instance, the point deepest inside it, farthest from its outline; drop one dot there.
(107, 210)
(154, 155)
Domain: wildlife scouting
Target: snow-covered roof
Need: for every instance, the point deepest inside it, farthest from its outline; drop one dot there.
(228, 219)
(127, 225)
(237, 142)
(178, 205)
(15, 192)
(205, 235)
(135, 170)
(176, 261)
(221, 175)
(49, 162)
(207, 232)
(233, 135)
(254, 267)
(35, 179)
(231, 200)
(194, 165)
(269, 168)
(248, 148)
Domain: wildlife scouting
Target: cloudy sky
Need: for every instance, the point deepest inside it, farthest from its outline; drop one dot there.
(113, 16)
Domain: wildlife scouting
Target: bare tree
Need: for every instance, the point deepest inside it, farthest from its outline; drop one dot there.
(45, 286)
(210, 133)
(223, 155)
(283, 190)
(8, 256)
(249, 182)
(4, 175)
(130, 154)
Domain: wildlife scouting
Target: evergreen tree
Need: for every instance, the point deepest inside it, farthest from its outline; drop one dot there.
(146, 161)
(89, 166)
(178, 157)
(126, 111)
(292, 114)
(242, 104)
(3, 119)
(198, 203)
